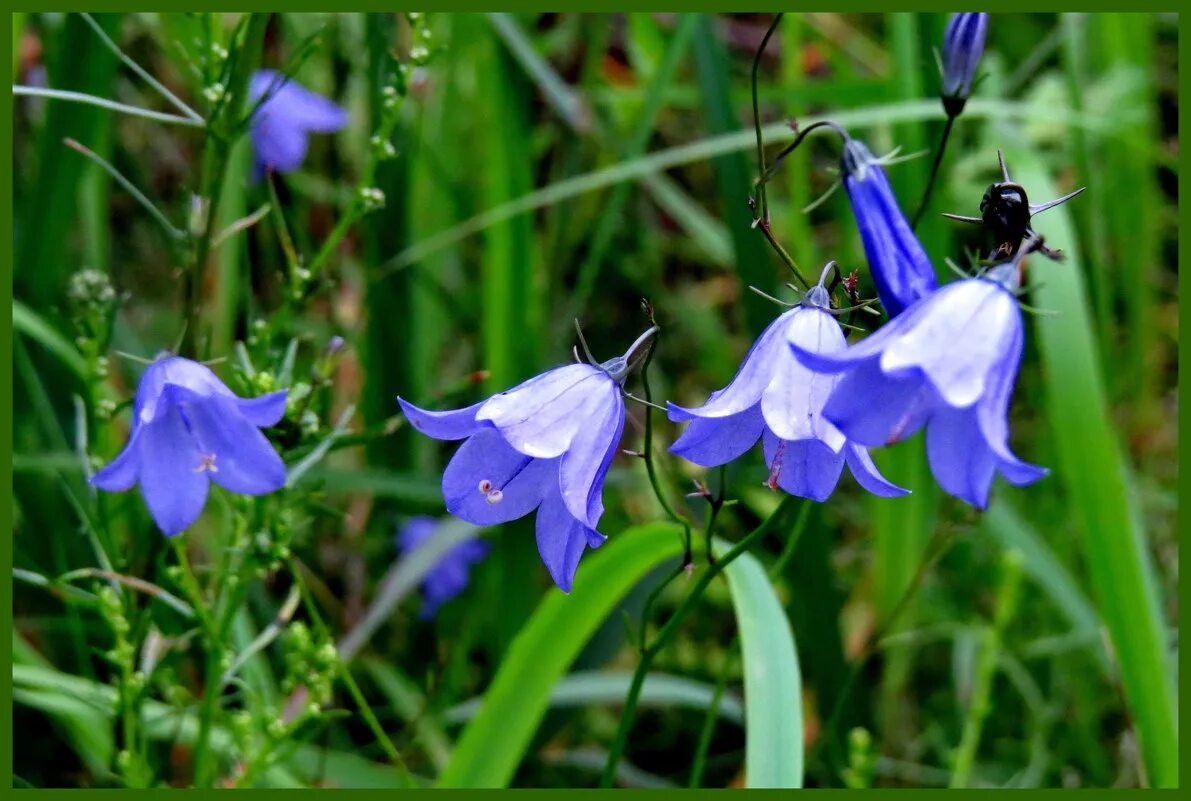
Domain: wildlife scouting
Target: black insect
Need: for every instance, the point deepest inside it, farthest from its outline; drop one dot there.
(1006, 212)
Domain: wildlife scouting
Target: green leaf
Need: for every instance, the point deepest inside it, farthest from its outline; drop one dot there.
(29, 323)
(1093, 471)
(494, 743)
(773, 753)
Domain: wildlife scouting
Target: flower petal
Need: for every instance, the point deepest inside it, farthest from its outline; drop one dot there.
(121, 473)
(960, 460)
(448, 424)
(265, 411)
(486, 457)
(541, 416)
(583, 467)
(867, 475)
(279, 145)
(754, 375)
(793, 402)
(241, 458)
(992, 414)
(718, 440)
(806, 468)
(174, 490)
(875, 409)
(958, 339)
(562, 539)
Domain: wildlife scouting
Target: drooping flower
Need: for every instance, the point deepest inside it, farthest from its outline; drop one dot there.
(900, 267)
(282, 125)
(547, 445)
(189, 429)
(451, 573)
(777, 400)
(963, 45)
(948, 363)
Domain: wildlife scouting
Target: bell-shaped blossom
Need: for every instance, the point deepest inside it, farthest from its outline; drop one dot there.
(282, 124)
(450, 575)
(963, 45)
(545, 445)
(900, 267)
(189, 429)
(775, 399)
(949, 364)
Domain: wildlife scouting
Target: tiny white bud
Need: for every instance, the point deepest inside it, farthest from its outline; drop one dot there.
(495, 497)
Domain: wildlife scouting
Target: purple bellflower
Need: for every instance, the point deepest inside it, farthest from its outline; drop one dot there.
(189, 429)
(900, 267)
(282, 125)
(775, 399)
(450, 575)
(547, 445)
(963, 45)
(949, 364)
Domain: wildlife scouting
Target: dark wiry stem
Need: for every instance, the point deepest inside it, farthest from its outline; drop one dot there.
(934, 172)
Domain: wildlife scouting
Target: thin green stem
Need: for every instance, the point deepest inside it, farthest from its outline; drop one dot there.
(140, 71)
(91, 100)
(647, 452)
(934, 172)
(762, 200)
(791, 545)
(138, 195)
(667, 632)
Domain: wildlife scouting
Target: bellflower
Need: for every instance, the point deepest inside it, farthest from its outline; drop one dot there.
(899, 265)
(963, 45)
(282, 125)
(547, 445)
(450, 575)
(189, 429)
(948, 364)
(775, 399)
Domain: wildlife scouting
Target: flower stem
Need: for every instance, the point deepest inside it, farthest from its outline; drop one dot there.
(647, 451)
(671, 627)
(139, 196)
(91, 100)
(934, 172)
(762, 201)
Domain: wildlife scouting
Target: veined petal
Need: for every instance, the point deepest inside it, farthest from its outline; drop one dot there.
(958, 339)
(875, 409)
(806, 468)
(583, 467)
(872, 345)
(265, 411)
(541, 416)
(230, 448)
(754, 375)
(793, 402)
(960, 460)
(860, 462)
(449, 424)
(562, 539)
(122, 472)
(714, 441)
(174, 490)
(486, 464)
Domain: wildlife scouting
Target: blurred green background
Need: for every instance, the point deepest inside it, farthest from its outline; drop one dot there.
(553, 166)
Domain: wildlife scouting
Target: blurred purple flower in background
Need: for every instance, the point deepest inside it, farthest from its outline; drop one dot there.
(949, 364)
(963, 46)
(450, 575)
(189, 429)
(899, 265)
(282, 124)
(547, 445)
(776, 399)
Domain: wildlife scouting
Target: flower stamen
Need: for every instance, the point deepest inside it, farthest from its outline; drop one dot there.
(206, 463)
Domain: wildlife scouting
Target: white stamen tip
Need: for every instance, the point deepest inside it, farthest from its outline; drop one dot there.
(495, 497)
(485, 486)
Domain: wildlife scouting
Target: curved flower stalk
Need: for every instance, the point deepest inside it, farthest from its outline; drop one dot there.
(544, 445)
(775, 399)
(189, 429)
(963, 46)
(900, 267)
(451, 574)
(949, 364)
(282, 124)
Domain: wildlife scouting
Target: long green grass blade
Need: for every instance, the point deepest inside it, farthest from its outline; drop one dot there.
(1093, 471)
(495, 742)
(772, 682)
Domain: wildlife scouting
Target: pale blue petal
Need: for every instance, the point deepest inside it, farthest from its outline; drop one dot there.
(122, 472)
(562, 539)
(807, 468)
(239, 457)
(541, 416)
(486, 457)
(583, 467)
(265, 411)
(793, 402)
(867, 475)
(718, 440)
(449, 424)
(174, 486)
